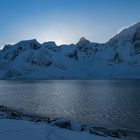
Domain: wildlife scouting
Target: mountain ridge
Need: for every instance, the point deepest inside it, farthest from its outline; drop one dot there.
(117, 58)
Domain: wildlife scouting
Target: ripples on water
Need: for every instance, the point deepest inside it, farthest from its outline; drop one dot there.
(106, 103)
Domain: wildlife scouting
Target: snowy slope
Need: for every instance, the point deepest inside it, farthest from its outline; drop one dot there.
(25, 130)
(117, 58)
(19, 126)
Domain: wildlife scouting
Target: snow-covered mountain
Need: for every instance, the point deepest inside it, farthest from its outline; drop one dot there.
(117, 58)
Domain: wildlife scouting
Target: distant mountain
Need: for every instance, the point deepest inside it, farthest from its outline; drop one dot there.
(117, 58)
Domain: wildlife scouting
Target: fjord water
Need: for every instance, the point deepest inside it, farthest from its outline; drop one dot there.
(105, 103)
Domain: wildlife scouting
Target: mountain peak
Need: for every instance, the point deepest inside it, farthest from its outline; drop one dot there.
(83, 39)
(33, 43)
(126, 34)
(27, 42)
(49, 44)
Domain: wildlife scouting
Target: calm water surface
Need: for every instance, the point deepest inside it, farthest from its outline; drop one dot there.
(106, 103)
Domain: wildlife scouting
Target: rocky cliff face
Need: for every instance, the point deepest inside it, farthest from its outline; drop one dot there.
(117, 58)
(136, 41)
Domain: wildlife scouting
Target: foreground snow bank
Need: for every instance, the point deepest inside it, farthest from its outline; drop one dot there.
(26, 130)
(19, 126)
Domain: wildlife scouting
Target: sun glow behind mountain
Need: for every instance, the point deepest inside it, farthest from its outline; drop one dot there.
(65, 21)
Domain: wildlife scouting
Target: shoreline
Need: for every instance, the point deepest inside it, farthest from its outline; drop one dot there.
(71, 79)
(9, 113)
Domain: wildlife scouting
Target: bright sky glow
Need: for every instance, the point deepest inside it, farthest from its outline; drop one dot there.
(65, 21)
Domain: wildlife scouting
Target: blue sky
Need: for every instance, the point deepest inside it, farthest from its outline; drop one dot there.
(65, 21)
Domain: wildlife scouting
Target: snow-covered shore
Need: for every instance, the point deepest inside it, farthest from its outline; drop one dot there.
(19, 126)
(25, 130)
